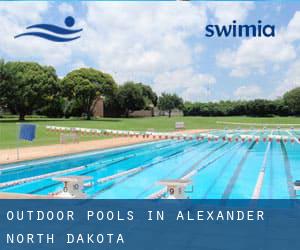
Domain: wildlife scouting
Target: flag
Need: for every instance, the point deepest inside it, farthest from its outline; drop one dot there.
(27, 132)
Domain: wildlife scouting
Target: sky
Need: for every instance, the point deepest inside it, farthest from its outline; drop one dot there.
(163, 44)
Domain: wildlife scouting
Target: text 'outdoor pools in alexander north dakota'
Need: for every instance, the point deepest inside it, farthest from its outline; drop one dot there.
(85, 234)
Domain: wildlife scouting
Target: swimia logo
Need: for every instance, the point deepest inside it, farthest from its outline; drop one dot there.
(52, 32)
(239, 30)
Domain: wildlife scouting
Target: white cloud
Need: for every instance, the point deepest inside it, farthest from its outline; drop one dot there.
(14, 18)
(255, 54)
(141, 38)
(292, 76)
(79, 64)
(247, 92)
(23, 11)
(198, 49)
(291, 80)
(76, 65)
(293, 28)
(65, 8)
(188, 84)
(226, 12)
(151, 43)
(131, 41)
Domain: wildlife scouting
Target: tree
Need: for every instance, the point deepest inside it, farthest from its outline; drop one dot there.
(3, 83)
(84, 85)
(131, 98)
(149, 94)
(167, 102)
(26, 86)
(260, 107)
(292, 100)
(281, 107)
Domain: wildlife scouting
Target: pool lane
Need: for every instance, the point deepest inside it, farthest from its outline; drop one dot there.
(243, 179)
(104, 168)
(294, 159)
(236, 173)
(275, 184)
(151, 162)
(212, 181)
(222, 169)
(107, 166)
(233, 188)
(35, 168)
(144, 184)
(287, 170)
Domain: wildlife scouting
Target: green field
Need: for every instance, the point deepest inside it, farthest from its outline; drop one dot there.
(9, 127)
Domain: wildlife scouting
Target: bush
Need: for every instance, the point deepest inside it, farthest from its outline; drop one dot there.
(258, 107)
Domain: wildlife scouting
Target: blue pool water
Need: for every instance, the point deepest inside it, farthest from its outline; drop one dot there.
(222, 169)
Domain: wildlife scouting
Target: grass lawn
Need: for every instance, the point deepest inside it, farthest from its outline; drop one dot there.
(9, 127)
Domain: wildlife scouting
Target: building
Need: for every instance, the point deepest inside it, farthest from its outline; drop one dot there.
(98, 107)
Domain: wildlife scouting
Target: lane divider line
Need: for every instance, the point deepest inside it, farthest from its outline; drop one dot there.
(29, 179)
(261, 176)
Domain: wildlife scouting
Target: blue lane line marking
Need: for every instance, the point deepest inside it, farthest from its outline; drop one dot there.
(287, 168)
(236, 174)
(223, 170)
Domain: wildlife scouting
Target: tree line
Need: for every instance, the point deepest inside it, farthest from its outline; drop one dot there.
(289, 104)
(30, 88)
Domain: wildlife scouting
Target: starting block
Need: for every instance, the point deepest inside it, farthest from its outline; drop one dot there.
(73, 186)
(176, 188)
(296, 186)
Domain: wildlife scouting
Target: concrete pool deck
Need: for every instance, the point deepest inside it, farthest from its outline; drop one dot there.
(24, 196)
(31, 153)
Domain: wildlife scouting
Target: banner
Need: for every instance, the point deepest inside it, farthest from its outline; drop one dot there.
(145, 224)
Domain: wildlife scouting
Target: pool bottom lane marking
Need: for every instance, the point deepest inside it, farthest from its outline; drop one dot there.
(221, 173)
(144, 167)
(109, 163)
(194, 166)
(287, 168)
(174, 170)
(194, 170)
(104, 164)
(236, 174)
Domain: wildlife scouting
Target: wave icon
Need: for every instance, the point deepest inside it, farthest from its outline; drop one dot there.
(69, 22)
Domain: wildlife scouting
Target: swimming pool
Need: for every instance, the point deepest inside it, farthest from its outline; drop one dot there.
(218, 169)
